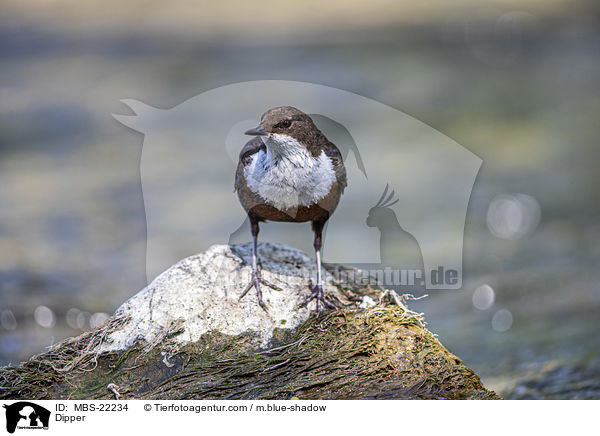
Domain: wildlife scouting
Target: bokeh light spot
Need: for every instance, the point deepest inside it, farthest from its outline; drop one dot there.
(44, 316)
(8, 320)
(513, 216)
(502, 320)
(97, 319)
(483, 297)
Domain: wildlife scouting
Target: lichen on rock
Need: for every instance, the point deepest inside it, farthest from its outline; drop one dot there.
(187, 336)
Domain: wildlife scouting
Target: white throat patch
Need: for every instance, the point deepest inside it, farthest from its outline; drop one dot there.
(287, 175)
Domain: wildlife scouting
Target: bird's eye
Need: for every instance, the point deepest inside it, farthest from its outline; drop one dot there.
(286, 123)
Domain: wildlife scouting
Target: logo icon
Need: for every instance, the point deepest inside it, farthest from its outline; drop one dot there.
(26, 415)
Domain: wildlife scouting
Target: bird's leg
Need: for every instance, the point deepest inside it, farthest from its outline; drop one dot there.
(257, 279)
(317, 290)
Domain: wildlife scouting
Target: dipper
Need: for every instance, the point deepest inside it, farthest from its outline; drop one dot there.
(289, 172)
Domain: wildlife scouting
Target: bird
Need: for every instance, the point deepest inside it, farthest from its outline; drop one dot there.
(289, 172)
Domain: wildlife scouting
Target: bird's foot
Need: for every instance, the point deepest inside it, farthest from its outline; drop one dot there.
(255, 282)
(319, 297)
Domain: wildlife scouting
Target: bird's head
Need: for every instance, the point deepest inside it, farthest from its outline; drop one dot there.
(286, 129)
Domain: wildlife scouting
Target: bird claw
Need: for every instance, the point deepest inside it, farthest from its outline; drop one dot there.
(319, 297)
(255, 282)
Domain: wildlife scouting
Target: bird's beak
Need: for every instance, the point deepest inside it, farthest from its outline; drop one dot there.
(257, 131)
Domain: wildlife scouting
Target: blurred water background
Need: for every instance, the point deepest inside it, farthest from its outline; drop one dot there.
(517, 83)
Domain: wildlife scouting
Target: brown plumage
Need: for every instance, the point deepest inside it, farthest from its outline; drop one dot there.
(309, 148)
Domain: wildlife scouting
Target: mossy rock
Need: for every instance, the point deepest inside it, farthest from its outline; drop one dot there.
(363, 351)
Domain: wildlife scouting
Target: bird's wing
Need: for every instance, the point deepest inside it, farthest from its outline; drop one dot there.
(336, 156)
(250, 149)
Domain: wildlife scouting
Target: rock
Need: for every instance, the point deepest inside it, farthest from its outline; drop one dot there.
(559, 381)
(203, 292)
(186, 336)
